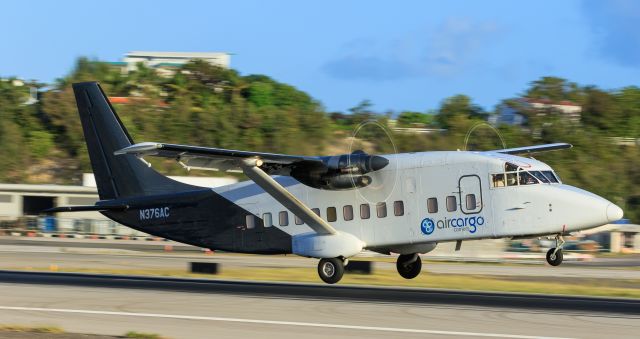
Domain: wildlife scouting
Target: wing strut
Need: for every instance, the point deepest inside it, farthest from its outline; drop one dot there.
(262, 179)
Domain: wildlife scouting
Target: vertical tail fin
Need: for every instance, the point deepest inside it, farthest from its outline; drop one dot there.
(116, 176)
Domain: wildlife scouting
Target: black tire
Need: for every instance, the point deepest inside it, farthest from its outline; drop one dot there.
(331, 270)
(554, 260)
(409, 270)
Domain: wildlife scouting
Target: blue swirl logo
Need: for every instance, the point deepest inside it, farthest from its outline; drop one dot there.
(427, 226)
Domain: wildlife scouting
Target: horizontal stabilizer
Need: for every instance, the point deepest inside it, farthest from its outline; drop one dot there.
(86, 208)
(534, 149)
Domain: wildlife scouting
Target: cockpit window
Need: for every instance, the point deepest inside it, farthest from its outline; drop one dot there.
(497, 180)
(509, 167)
(540, 176)
(517, 176)
(551, 176)
(527, 179)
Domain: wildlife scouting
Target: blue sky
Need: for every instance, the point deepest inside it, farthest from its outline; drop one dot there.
(402, 55)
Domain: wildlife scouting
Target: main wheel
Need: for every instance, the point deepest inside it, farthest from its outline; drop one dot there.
(554, 259)
(409, 265)
(331, 270)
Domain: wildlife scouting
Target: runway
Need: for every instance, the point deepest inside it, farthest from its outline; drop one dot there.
(195, 308)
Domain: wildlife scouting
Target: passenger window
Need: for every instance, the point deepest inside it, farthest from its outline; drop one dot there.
(347, 212)
(298, 221)
(365, 211)
(398, 208)
(251, 221)
(381, 209)
(284, 218)
(498, 180)
(266, 218)
(332, 215)
(451, 203)
(471, 201)
(316, 211)
(432, 205)
(512, 179)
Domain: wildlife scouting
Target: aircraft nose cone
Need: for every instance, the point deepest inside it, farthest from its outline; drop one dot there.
(378, 162)
(614, 212)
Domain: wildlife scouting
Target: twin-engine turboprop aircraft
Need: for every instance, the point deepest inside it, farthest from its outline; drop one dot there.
(332, 207)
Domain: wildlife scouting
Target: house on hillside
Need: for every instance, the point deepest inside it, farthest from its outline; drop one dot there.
(30, 91)
(512, 112)
(166, 63)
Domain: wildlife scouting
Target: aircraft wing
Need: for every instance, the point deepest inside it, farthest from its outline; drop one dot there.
(533, 149)
(219, 159)
(256, 165)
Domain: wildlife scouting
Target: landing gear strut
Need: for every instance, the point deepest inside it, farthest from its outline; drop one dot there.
(409, 265)
(554, 255)
(331, 270)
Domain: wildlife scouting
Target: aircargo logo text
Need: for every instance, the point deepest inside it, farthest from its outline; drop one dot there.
(466, 224)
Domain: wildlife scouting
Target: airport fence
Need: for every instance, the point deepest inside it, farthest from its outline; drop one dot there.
(48, 226)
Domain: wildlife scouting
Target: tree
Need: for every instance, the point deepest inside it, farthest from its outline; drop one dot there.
(409, 119)
(627, 120)
(553, 88)
(599, 109)
(460, 108)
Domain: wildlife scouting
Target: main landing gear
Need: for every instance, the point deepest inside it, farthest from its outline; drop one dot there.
(409, 265)
(331, 270)
(554, 255)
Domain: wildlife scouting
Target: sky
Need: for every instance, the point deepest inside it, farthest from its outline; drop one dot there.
(401, 55)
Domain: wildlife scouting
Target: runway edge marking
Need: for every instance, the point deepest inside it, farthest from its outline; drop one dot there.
(274, 322)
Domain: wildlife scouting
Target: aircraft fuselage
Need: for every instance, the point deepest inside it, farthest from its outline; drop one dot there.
(427, 198)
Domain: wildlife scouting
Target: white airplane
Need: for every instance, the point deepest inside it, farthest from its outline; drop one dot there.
(333, 207)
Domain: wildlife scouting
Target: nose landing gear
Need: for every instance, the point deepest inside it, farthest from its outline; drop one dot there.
(409, 265)
(554, 255)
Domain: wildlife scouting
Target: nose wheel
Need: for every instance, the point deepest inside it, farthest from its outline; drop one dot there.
(331, 270)
(554, 255)
(409, 265)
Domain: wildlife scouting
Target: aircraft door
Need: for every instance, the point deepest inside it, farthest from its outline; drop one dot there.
(411, 204)
(470, 194)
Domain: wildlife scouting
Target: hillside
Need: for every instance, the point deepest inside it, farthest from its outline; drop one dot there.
(203, 105)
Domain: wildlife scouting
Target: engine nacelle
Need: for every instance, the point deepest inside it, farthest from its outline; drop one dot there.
(335, 181)
(340, 172)
(356, 162)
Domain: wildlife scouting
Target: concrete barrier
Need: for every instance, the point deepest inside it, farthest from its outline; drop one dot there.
(359, 267)
(204, 267)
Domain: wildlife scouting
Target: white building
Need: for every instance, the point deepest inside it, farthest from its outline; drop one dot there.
(511, 113)
(26, 202)
(417, 129)
(166, 61)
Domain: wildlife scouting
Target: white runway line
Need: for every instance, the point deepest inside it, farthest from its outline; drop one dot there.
(274, 322)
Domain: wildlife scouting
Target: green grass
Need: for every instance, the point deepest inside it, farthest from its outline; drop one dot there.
(593, 287)
(139, 335)
(57, 330)
(31, 329)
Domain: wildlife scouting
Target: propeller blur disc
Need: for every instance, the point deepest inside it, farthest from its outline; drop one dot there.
(374, 138)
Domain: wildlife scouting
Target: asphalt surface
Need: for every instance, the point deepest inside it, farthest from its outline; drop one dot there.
(198, 308)
(195, 308)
